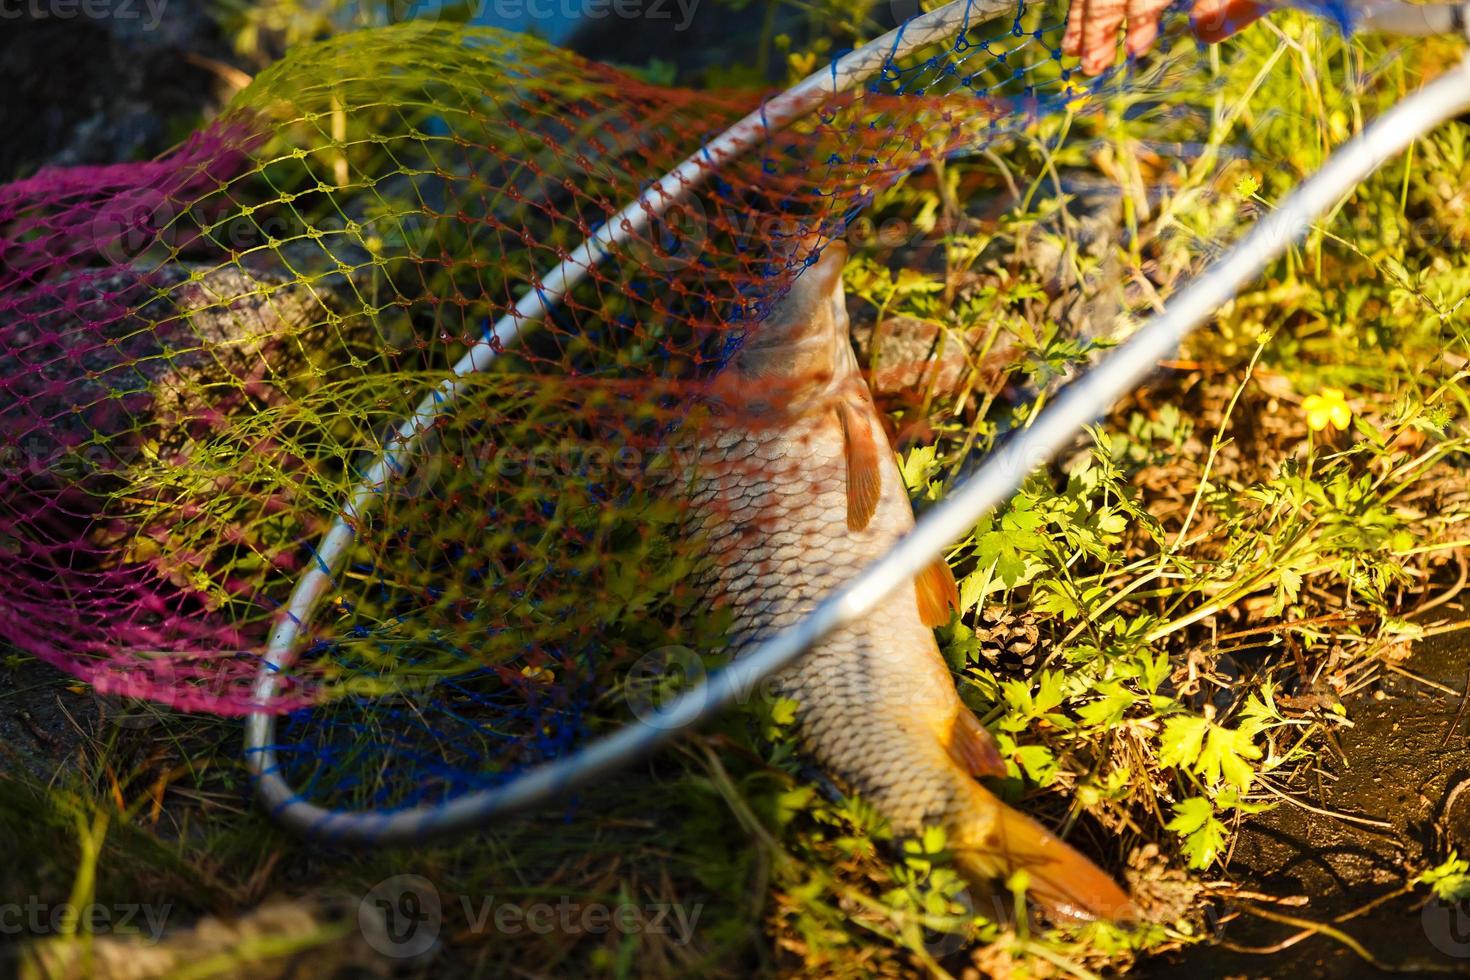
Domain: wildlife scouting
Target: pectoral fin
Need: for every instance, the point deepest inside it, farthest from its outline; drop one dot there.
(864, 479)
(971, 746)
(937, 593)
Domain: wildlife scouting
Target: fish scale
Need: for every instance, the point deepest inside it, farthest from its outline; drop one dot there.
(778, 500)
(849, 691)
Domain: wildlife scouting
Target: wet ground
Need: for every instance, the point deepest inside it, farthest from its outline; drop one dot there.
(45, 715)
(1394, 801)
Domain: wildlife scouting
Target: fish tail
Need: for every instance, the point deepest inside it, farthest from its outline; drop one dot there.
(996, 841)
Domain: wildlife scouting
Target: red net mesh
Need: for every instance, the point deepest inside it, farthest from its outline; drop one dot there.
(204, 353)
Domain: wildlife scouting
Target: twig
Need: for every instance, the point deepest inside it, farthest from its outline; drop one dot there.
(1216, 443)
(1459, 715)
(1348, 941)
(229, 74)
(1444, 628)
(1345, 817)
(1292, 940)
(1039, 950)
(1417, 679)
(47, 740)
(1445, 809)
(1450, 593)
(1331, 618)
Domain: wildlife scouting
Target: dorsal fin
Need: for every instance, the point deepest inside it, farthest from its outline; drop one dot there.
(971, 747)
(864, 477)
(937, 593)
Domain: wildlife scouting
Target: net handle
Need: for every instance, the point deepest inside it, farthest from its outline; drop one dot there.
(1080, 403)
(1399, 18)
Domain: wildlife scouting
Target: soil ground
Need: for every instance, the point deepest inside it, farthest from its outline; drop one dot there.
(1394, 799)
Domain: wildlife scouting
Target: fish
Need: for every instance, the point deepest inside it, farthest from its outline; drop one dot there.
(794, 488)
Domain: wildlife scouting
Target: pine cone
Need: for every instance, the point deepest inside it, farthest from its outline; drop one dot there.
(1009, 641)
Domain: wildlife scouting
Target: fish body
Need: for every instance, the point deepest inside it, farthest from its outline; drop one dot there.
(794, 490)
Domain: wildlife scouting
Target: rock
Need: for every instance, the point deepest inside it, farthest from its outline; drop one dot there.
(100, 362)
(282, 938)
(103, 81)
(917, 356)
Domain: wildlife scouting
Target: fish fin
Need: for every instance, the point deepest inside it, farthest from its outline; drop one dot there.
(1059, 879)
(971, 746)
(864, 477)
(937, 593)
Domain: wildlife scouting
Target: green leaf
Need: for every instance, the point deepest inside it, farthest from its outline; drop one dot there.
(1224, 757)
(1204, 836)
(1026, 708)
(918, 469)
(1450, 881)
(1190, 815)
(976, 586)
(1038, 763)
(781, 716)
(1155, 670)
(1260, 711)
(1216, 753)
(1053, 598)
(1011, 569)
(1022, 520)
(1116, 699)
(1049, 692)
(792, 802)
(1181, 741)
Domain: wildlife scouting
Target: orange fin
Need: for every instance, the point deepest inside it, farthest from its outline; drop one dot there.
(937, 592)
(971, 746)
(864, 478)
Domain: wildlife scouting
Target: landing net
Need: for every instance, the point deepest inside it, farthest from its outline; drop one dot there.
(203, 354)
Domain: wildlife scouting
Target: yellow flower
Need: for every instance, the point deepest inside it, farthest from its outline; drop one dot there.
(1328, 408)
(802, 63)
(541, 674)
(1080, 92)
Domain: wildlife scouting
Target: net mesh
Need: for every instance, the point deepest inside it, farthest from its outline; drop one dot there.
(204, 353)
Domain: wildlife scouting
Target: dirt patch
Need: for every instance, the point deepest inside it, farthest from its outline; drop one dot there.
(44, 721)
(1391, 803)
